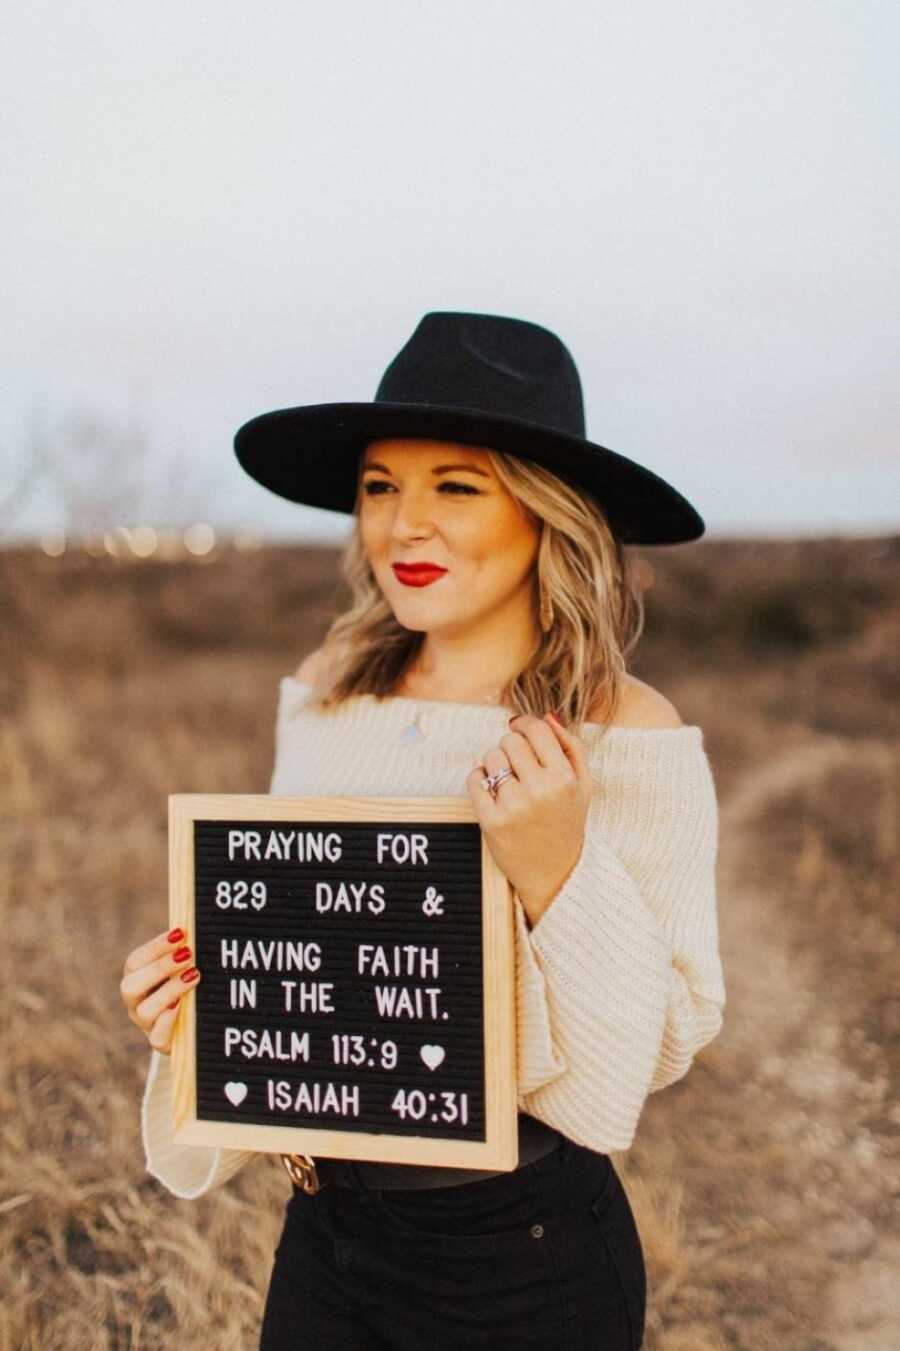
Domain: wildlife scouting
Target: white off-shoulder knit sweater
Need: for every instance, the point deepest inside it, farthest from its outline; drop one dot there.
(619, 983)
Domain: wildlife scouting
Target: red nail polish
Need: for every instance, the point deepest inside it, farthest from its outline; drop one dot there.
(181, 955)
(191, 974)
(175, 936)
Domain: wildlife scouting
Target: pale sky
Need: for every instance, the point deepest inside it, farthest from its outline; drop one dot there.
(213, 210)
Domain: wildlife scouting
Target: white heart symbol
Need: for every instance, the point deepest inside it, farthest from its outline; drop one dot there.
(432, 1055)
(235, 1093)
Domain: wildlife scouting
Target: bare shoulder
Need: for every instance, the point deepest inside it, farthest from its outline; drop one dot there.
(309, 667)
(312, 667)
(640, 705)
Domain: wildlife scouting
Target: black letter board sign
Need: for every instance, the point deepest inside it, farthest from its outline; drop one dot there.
(357, 991)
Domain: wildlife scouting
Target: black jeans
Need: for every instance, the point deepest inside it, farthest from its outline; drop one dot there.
(546, 1257)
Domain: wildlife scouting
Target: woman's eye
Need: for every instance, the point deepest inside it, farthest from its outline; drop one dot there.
(373, 487)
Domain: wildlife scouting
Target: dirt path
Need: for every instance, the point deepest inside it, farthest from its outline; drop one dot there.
(797, 1245)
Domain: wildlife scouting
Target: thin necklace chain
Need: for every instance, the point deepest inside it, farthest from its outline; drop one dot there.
(492, 698)
(413, 730)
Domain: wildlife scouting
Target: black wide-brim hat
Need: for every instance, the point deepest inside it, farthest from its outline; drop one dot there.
(481, 379)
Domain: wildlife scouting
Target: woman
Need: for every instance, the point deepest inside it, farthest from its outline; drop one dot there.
(493, 609)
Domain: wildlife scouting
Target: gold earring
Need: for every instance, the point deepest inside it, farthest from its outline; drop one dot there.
(546, 611)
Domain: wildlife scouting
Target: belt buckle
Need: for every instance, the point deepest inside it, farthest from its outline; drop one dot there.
(301, 1169)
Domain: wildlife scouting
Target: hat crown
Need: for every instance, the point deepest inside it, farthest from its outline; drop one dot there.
(489, 363)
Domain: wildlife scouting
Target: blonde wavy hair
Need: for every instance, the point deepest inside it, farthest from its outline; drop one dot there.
(588, 604)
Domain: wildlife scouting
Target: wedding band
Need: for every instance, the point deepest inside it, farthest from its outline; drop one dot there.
(493, 781)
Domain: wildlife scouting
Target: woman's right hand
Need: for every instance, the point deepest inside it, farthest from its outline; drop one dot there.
(154, 978)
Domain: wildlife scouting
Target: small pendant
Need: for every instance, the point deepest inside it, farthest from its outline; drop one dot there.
(413, 732)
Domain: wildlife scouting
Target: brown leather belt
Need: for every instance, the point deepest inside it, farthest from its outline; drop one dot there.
(535, 1140)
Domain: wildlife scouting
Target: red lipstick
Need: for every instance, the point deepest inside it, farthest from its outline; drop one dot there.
(417, 574)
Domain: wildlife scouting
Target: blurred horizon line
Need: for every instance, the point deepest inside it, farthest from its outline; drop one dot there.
(253, 536)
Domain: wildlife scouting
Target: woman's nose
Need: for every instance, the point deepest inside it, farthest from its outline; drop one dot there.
(411, 517)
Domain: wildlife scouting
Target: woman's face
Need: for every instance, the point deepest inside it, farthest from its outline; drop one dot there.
(427, 501)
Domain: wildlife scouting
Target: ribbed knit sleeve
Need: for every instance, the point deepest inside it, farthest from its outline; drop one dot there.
(187, 1171)
(619, 981)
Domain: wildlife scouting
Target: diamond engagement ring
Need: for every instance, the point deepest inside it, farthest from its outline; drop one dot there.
(492, 782)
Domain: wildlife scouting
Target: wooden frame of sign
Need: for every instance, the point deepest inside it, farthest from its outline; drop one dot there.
(311, 1007)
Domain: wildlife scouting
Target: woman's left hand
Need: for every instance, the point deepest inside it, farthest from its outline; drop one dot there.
(535, 826)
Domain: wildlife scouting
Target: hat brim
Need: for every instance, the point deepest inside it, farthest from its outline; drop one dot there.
(310, 455)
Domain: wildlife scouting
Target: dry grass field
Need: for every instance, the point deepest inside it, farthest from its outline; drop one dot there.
(765, 1183)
